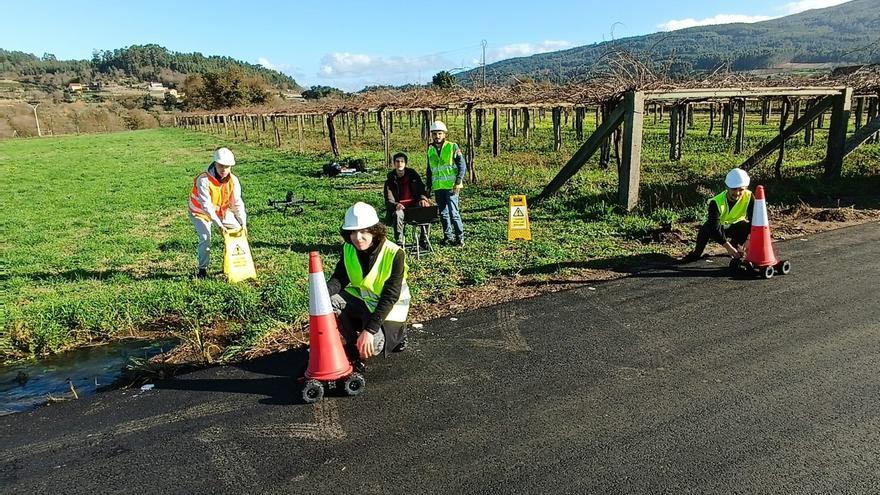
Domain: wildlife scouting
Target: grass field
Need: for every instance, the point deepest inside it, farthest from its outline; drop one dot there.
(96, 243)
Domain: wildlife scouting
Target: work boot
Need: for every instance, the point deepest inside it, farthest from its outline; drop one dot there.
(459, 241)
(401, 346)
(690, 257)
(359, 366)
(202, 273)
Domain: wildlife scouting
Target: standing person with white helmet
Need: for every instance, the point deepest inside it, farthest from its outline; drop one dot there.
(729, 221)
(445, 175)
(368, 288)
(216, 200)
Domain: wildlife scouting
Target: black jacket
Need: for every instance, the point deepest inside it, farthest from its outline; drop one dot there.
(392, 190)
(713, 225)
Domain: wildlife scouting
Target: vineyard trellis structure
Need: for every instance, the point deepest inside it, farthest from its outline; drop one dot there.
(619, 117)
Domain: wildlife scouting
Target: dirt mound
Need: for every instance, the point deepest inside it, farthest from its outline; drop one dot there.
(836, 215)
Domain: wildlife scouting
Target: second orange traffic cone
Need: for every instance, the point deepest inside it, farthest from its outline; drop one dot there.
(760, 247)
(327, 359)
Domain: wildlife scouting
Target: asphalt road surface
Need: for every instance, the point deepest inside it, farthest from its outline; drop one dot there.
(677, 379)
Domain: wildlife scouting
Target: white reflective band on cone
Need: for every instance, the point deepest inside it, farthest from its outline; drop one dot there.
(759, 217)
(319, 296)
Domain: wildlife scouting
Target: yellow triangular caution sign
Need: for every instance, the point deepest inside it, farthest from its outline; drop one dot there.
(518, 227)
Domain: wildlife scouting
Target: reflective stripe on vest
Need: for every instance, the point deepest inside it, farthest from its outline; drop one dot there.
(737, 214)
(443, 170)
(221, 195)
(369, 288)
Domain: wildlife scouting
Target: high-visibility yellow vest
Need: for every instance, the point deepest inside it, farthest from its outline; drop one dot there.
(221, 195)
(368, 288)
(737, 214)
(443, 170)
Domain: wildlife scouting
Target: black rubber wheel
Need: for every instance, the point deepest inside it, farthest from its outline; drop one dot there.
(785, 267)
(355, 384)
(734, 265)
(768, 272)
(313, 391)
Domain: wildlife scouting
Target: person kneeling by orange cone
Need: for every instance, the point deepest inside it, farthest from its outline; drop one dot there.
(728, 221)
(368, 289)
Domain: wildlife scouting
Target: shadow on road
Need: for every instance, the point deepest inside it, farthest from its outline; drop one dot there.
(640, 265)
(274, 376)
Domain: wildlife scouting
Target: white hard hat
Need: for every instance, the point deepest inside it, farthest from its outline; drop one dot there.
(438, 126)
(737, 178)
(360, 216)
(222, 156)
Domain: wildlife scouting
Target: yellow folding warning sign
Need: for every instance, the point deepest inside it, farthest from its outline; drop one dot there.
(237, 262)
(518, 226)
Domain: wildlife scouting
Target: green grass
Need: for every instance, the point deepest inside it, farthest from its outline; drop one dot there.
(97, 245)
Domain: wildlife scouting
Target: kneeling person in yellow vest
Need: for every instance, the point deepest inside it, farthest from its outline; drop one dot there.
(216, 200)
(368, 288)
(729, 220)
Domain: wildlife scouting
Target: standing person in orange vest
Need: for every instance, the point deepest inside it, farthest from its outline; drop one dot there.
(216, 200)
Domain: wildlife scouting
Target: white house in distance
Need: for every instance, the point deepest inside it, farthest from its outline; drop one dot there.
(156, 90)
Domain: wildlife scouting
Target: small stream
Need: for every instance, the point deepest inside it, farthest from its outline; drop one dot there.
(29, 384)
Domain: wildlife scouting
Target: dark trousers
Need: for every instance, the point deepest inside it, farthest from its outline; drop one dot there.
(736, 233)
(353, 315)
(397, 218)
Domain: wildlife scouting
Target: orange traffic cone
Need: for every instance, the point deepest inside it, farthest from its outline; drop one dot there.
(760, 250)
(327, 359)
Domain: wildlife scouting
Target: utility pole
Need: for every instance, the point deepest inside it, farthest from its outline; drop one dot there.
(483, 62)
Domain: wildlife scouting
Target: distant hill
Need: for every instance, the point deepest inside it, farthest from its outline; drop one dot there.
(137, 63)
(844, 34)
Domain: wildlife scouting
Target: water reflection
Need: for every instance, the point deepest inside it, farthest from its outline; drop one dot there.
(29, 384)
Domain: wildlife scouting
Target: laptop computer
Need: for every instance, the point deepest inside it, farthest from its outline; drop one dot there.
(421, 214)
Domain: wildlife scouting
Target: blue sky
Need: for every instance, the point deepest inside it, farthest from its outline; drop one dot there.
(351, 44)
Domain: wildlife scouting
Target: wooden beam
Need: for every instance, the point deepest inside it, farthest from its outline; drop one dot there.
(478, 140)
(496, 137)
(873, 111)
(861, 136)
(860, 110)
(810, 130)
(331, 129)
(740, 126)
(710, 93)
(674, 134)
(584, 152)
(299, 128)
(557, 129)
(469, 146)
(788, 132)
(630, 168)
(840, 114)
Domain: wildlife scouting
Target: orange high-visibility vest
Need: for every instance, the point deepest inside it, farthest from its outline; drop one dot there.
(221, 194)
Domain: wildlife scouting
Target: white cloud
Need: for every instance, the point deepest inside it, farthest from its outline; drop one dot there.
(269, 65)
(356, 65)
(802, 5)
(718, 19)
(525, 49)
